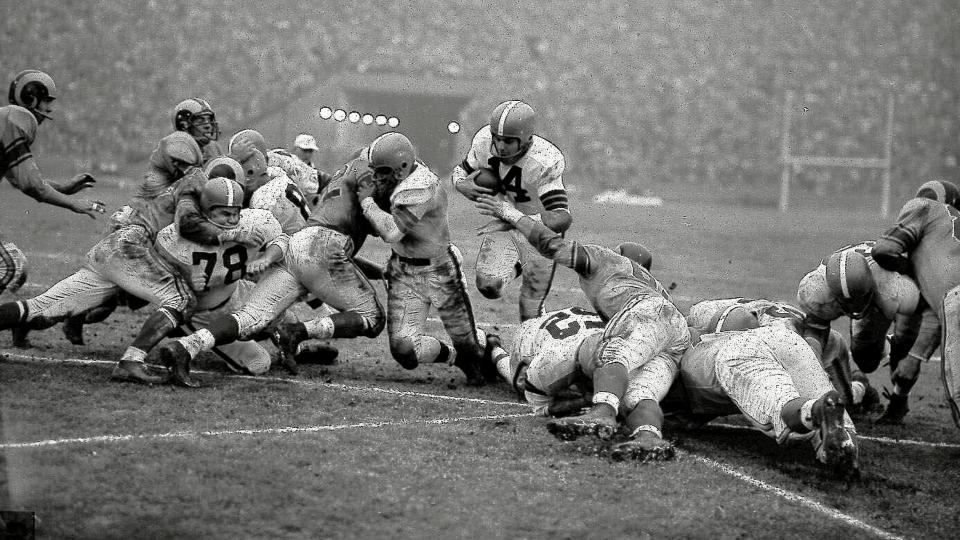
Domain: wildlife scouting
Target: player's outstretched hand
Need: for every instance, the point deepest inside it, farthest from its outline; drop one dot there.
(89, 207)
(489, 205)
(494, 225)
(365, 188)
(258, 265)
(77, 184)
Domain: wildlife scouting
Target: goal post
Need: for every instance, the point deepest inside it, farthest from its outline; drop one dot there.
(789, 161)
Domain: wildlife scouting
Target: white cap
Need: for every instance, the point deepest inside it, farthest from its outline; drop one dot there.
(306, 142)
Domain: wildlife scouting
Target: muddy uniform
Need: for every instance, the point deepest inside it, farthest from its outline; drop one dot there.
(896, 295)
(285, 201)
(18, 130)
(310, 180)
(532, 184)
(216, 276)
(767, 312)
(643, 325)
(751, 372)
(425, 270)
(926, 233)
(320, 261)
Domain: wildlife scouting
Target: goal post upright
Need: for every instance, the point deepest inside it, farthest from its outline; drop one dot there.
(790, 161)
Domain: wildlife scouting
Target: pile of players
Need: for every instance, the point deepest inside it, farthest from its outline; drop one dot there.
(225, 245)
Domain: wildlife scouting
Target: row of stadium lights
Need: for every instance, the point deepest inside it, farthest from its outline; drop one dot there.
(368, 119)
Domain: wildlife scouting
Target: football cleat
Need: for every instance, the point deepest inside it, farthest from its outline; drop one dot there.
(836, 445)
(176, 357)
(287, 338)
(487, 366)
(73, 329)
(470, 369)
(871, 398)
(19, 339)
(644, 446)
(315, 352)
(896, 409)
(597, 422)
(137, 372)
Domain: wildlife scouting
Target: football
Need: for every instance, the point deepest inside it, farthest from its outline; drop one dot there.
(486, 178)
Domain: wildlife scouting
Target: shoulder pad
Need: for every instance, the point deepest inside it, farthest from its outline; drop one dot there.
(24, 122)
(417, 188)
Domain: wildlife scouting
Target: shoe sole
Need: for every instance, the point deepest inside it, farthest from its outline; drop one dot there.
(573, 431)
(169, 359)
(839, 445)
(644, 455)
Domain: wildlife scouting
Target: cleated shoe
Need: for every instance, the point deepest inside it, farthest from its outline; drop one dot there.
(896, 409)
(487, 366)
(288, 339)
(176, 357)
(316, 352)
(73, 330)
(836, 444)
(596, 422)
(137, 372)
(644, 446)
(470, 369)
(871, 398)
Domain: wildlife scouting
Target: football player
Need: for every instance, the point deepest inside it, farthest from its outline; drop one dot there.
(216, 273)
(309, 179)
(321, 261)
(924, 245)
(406, 205)
(708, 315)
(530, 172)
(770, 375)
(644, 328)
(195, 116)
(31, 96)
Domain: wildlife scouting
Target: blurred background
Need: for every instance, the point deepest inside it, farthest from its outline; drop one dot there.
(671, 98)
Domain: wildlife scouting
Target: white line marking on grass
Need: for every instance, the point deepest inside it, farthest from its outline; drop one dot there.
(242, 432)
(883, 440)
(307, 382)
(794, 497)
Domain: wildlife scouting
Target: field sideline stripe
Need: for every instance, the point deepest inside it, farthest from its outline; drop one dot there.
(264, 431)
(28, 358)
(883, 440)
(441, 397)
(794, 497)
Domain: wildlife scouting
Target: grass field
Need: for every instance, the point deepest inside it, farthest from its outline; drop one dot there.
(365, 449)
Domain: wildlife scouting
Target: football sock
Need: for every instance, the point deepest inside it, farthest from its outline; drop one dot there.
(859, 389)
(195, 343)
(134, 354)
(319, 328)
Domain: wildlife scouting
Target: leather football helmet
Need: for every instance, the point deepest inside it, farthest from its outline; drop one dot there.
(252, 135)
(225, 167)
(850, 282)
(176, 153)
(220, 191)
(942, 191)
(393, 151)
(735, 317)
(513, 119)
(29, 89)
(195, 116)
(636, 253)
(255, 172)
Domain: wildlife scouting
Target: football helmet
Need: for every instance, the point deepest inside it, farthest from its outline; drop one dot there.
(220, 192)
(512, 119)
(225, 167)
(176, 153)
(850, 282)
(735, 317)
(195, 116)
(393, 151)
(29, 89)
(252, 135)
(255, 172)
(940, 190)
(636, 253)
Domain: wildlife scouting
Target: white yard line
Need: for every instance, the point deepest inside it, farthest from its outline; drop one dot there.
(794, 497)
(242, 432)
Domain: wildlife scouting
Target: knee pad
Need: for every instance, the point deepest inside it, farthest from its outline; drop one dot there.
(614, 350)
(14, 267)
(405, 353)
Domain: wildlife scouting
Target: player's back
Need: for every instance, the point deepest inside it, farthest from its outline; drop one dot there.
(935, 257)
(610, 280)
(339, 209)
(549, 344)
(284, 199)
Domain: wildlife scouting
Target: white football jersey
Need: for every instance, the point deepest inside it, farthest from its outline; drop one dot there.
(302, 174)
(213, 271)
(533, 182)
(284, 199)
(548, 346)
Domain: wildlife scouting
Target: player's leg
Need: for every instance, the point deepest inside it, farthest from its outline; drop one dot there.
(73, 294)
(642, 329)
(537, 277)
(647, 386)
(274, 293)
(868, 338)
(408, 304)
(319, 258)
(247, 357)
(923, 336)
(498, 263)
(950, 350)
(448, 292)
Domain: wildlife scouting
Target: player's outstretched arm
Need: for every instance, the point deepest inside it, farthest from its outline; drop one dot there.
(26, 177)
(75, 185)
